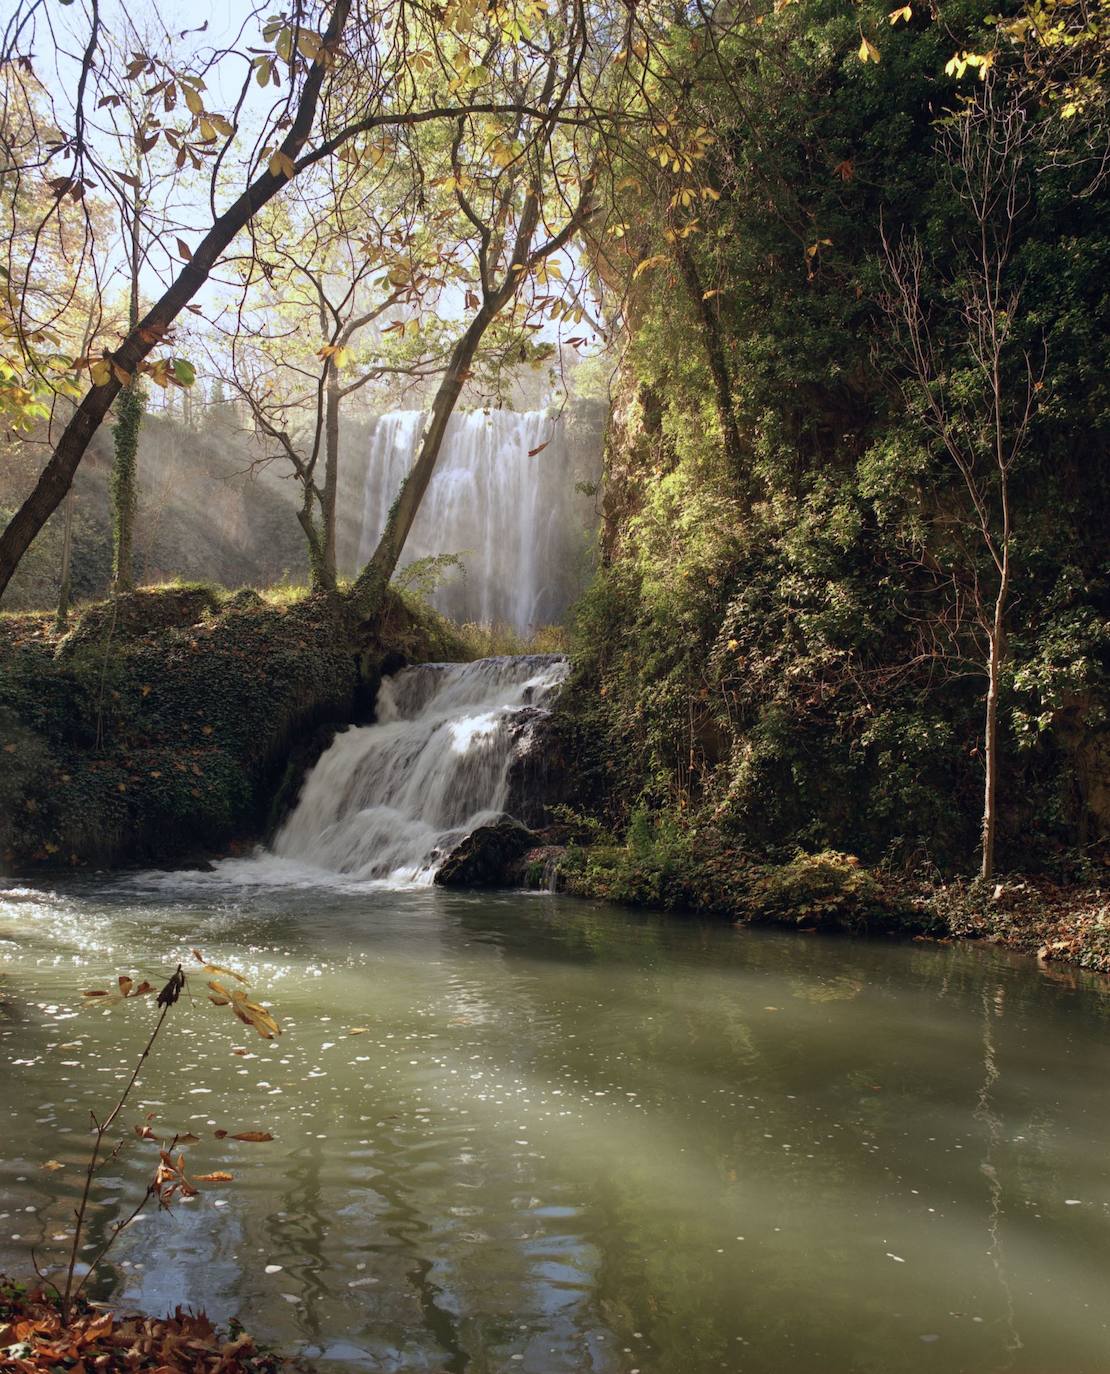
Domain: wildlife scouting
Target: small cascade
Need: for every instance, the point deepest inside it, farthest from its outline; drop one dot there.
(503, 499)
(448, 753)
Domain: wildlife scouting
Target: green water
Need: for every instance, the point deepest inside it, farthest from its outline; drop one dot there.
(571, 1138)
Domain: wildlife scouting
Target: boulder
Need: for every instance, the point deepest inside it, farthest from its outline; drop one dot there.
(486, 856)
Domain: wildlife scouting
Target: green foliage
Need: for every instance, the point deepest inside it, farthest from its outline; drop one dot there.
(785, 656)
(159, 727)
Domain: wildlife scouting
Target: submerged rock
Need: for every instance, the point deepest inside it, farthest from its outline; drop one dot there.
(488, 856)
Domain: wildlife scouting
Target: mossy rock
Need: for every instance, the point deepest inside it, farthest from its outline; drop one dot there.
(146, 611)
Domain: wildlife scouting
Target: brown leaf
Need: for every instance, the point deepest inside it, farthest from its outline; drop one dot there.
(218, 1177)
(219, 968)
(255, 1137)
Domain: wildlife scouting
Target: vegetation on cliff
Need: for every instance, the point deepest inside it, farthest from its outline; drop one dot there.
(787, 645)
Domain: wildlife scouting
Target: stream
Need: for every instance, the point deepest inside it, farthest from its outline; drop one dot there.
(520, 1132)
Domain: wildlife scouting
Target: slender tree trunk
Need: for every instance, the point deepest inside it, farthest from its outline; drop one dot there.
(124, 486)
(374, 578)
(718, 365)
(331, 471)
(317, 563)
(55, 478)
(990, 733)
(64, 589)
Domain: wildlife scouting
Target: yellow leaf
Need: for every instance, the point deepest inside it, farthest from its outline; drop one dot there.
(905, 13)
(868, 52)
(648, 264)
(281, 165)
(193, 100)
(101, 371)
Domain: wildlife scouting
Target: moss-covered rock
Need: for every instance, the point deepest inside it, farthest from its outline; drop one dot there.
(163, 725)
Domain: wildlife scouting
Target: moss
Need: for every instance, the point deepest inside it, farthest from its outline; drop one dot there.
(166, 723)
(678, 868)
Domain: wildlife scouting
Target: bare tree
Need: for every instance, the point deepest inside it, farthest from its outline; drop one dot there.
(970, 381)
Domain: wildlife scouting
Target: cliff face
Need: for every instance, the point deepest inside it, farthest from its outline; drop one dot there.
(787, 670)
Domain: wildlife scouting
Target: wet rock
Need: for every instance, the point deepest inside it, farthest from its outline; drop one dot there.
(488, 856)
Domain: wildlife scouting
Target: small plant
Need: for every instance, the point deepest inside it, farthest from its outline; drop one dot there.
(170, 1179)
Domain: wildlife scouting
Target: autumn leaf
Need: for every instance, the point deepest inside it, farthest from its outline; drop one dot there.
(281, 165)
(218, 1177)
(905, 13)
(868, 52)
(253, 1137)
(647, 264)
(219, 968)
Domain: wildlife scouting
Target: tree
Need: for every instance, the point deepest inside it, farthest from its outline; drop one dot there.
(519, 194)
(326, 270)
(971, 384)
(343, 80)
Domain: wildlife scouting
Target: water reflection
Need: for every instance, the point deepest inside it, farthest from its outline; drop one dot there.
(568, 1138)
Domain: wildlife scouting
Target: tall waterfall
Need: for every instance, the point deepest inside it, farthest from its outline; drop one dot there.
(390, 800)
(503, 498)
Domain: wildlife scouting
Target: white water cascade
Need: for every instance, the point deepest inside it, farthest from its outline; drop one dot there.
(503, 498)
(389, 801)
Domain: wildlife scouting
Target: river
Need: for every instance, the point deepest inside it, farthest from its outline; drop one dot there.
(519, 1132)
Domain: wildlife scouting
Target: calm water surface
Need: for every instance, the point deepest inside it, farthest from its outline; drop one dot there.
(568, 1138)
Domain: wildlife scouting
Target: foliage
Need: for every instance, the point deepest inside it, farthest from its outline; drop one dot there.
(778, 648)
(160, 725)
(37, 1340)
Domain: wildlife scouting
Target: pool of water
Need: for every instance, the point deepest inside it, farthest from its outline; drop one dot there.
(565, 1137)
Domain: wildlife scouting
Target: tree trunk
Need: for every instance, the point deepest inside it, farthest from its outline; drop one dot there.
(317, 565)
(67, 562)
(55, 478)
(718, 366)
(331, 470)
(990, 731)
(374, 578)
(124, 486)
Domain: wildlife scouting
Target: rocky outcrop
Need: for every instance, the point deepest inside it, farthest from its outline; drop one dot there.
(488, 857)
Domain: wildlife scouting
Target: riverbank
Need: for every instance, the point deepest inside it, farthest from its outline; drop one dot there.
(1059, 923)
(176, 722)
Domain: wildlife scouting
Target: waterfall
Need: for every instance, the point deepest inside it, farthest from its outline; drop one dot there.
(503, 498)
(390, 800)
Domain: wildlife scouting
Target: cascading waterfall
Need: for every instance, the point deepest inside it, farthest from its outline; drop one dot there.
(503, 498)
(390, 800)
